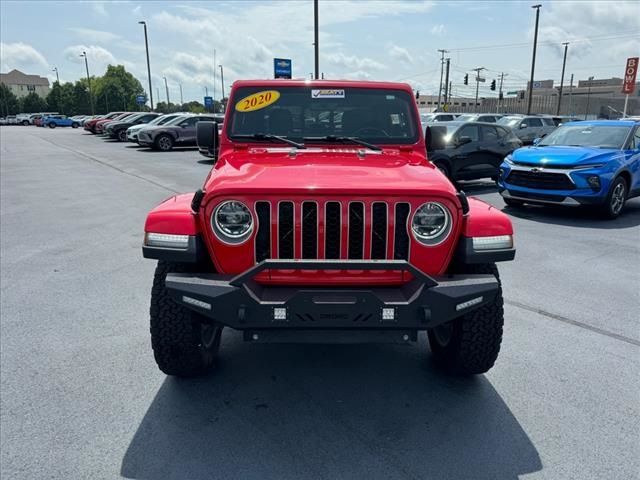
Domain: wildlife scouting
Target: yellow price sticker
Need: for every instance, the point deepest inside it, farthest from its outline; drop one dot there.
(257, 100)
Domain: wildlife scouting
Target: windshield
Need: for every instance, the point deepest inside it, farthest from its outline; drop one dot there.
(376, 116)
(161, 120)
(465, 118)
(598, 136)
(177, 120)
(510, 121)
(426, 117)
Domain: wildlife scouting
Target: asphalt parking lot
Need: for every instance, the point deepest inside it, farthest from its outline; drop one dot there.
(81, 396)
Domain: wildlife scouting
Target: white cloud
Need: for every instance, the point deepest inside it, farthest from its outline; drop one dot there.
(439, 29)
(97, 36)
(353, 61)
(97, 57)
(21, 56)
(137, 10)
(399, 53)
(99, 8)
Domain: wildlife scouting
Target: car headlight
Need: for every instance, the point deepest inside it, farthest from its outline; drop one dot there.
(431, 223)
(232, 222)
(508, 160)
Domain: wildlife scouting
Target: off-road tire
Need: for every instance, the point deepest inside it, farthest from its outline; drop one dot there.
(611, 209)
(161, 143)
(475, 337)
(177, 338)
(510, 202)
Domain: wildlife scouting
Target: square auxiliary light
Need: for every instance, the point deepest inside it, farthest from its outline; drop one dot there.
(166, 240)
(499, 242)
(280, 313)
(388, 314)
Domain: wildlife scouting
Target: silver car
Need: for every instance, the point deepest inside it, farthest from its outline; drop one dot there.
(528, 128)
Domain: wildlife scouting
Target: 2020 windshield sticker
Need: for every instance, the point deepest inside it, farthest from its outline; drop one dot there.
(327, 93)
(257, 100)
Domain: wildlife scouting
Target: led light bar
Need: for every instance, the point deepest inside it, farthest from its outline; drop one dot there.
(499, 242)
(166, 240)
(468, 303)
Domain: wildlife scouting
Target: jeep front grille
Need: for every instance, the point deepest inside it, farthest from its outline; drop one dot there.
(332, 230)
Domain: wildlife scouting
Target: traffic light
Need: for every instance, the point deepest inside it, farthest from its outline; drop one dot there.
(417, 94)
(493, 84)
(521, 95)
(466, 79)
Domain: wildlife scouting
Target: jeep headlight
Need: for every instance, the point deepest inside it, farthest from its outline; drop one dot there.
(431, 223)
(232, 222)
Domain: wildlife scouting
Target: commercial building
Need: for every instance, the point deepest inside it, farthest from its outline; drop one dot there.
(22, 84)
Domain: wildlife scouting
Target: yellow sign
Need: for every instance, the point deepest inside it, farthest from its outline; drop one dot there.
(257, 101)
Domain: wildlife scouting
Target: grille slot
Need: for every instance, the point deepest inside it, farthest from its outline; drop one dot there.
(356, 231)
(332, 224)
(540, 180)
(401, 237)
(263, 236)
(309, 230)
(285, 230)
(379, 231)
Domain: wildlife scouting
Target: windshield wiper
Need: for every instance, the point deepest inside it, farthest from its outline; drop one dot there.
(267, 136)
(332, 138)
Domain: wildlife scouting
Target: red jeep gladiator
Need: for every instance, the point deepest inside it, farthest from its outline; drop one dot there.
(323, 221)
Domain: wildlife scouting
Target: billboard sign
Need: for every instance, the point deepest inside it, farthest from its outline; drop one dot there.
(281, 68)
(630, 72)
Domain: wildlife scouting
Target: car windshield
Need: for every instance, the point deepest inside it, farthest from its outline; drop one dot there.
(426, 117)
(510, 121)
(465, 118)
(161, 120)
(176, 120)
(376, 116)
(597, 136)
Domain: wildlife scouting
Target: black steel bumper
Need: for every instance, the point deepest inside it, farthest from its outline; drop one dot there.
(241, 303)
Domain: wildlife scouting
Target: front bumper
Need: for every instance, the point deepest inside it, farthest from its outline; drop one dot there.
(241, 303)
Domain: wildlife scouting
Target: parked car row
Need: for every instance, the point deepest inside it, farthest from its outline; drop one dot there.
(149, 129)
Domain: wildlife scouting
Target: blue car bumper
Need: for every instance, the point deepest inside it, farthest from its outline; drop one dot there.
(571, 187)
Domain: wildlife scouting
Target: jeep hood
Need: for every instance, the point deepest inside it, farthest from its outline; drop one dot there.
(337, 171)
(563, 156)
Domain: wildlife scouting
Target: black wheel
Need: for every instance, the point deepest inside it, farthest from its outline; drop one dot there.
(52, 125)
(75, 125)
(469, 345)
(25, 122)
(184, 343)
(164, 142)
(440, 165)
(510, 202)
(616, 198)
(122, 135)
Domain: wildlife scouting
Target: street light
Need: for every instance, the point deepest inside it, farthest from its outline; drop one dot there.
(586, 112)
(146, 44)
(55, 69)
(166, 87)
(477, 70)
(222, 81)
(564, 62)
(86, 64)
(533, 59)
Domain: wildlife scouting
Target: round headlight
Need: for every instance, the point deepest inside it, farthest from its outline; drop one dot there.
(431, 223)
(232, 222)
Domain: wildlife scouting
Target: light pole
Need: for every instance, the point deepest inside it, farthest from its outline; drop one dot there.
(222, 81)
(500, 95)
(533, 59)
(181, 101)
(586, 111)
(55, 69)
(146, 44)
(441, 72)
(86, 64)
(564, 62)
(316, 47)
(166, 87)
(477, 70)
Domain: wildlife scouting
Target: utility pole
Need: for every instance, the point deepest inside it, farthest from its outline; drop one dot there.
(442, 52)
(446, 83)
(166, 87)
(146, 44)
(214, 77)
(533, 59)
(181, 101)
(500, 95)
(86, 64)
(564, 62)
(222, 82)
(571, 96)
(316, 46)
(55, 69)
(477, 70)
(586, 111)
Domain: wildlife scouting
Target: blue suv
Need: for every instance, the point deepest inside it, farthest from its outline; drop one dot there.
(593, 163)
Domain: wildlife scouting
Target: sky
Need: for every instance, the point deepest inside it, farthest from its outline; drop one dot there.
(372, 40)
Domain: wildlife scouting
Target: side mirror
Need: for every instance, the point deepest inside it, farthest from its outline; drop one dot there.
(536, 140)
(523, 125)
(463, 141)
(208, 139)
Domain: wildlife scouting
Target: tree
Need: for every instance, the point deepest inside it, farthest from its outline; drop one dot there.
(117, 88)
(9, 103)
(81, 101)
(193, 107)
(34, 103)
(61, 98)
